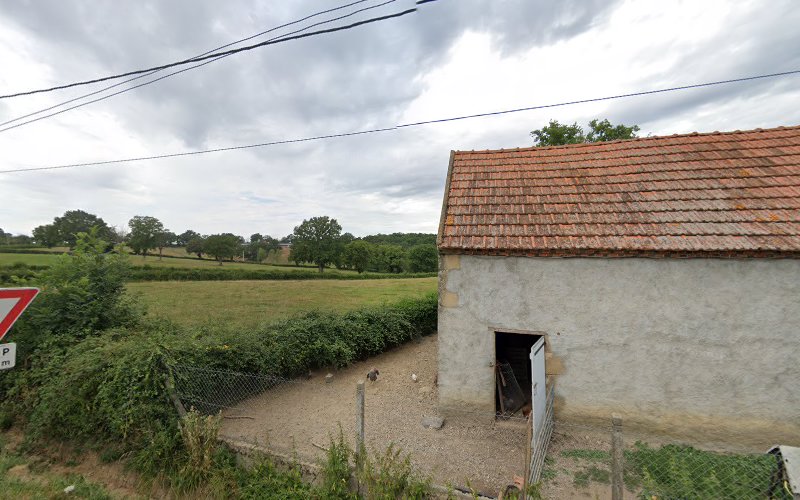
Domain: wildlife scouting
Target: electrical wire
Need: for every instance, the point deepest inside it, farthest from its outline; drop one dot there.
(215, 54)
(199, 55)
(405, 125)
(108, 96)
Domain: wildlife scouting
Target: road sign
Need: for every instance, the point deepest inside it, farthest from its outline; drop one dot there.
(12, 302)
(8, 356)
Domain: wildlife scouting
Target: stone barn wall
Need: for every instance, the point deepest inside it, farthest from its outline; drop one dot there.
(710, 346)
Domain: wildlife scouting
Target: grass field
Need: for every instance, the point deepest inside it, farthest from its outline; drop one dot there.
(251, 302)
(7, 259)
(30, 259)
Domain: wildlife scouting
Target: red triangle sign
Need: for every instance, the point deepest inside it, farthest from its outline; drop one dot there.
(12, 302)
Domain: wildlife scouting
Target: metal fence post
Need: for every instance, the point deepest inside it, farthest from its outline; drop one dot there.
(617, 458)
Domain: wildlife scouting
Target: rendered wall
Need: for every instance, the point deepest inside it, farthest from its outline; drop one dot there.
(710, 346)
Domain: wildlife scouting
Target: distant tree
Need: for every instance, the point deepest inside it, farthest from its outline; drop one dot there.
(20, 239)
(195, 246)
(47, 235)
(405, 240)
(164, 239)
(604, 131)
(423, 259)
(556, 134)
(356, 255)
(316, 240)
(64, 230)
(185, 237)
(222, 246)
(119, 234)
(144, 234)
(387, 258)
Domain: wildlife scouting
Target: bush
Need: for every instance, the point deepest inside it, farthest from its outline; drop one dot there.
(149, 273)
(110, 387)
(20, 273)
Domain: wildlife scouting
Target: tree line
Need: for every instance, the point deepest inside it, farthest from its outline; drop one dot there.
(318, 241)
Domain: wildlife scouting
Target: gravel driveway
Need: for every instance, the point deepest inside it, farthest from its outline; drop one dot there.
(302, 414)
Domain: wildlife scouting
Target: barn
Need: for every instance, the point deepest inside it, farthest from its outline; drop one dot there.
(659, 277)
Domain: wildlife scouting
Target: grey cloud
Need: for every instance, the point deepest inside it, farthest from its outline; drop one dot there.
(368, 71)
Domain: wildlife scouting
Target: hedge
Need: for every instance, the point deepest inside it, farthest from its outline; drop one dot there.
(19, 270)
(110, 387)
(148, 273)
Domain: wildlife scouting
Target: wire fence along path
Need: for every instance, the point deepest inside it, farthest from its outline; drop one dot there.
(566, 459)
(211, 390)
(628, 465)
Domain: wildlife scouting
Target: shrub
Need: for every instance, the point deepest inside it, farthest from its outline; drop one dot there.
(149, 273)
(109, 387)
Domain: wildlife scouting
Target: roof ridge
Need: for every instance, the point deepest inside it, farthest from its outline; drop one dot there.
(637, 139)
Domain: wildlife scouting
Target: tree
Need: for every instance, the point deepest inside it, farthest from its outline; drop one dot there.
(423, 259)
(144, 234)
(164, 239)
(195, 246)
(316, 240)
(222, 246)
(604, 131)
(64, 230)
(185, 237)
(387, 258)
(46, 235)
(356, 255)
(556, 134)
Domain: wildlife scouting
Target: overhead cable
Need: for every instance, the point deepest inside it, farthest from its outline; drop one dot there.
(128, 89)
(404, 125)
(215, 54)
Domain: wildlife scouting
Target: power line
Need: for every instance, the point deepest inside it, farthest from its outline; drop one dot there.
(108, 96)
(199, 55)
(216, 54)
(405, 125)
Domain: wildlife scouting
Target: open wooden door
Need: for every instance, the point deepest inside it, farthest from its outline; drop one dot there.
(538, 389)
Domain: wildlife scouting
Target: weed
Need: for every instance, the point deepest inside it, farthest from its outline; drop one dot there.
(199, 434)
(589, 474)
(590, 455)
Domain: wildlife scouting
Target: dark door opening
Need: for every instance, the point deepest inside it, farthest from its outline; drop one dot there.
(513, 374)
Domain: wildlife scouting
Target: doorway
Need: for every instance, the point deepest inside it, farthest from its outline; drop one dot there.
(514, 376)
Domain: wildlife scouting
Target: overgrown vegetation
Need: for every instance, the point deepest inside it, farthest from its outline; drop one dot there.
(674, 471)
(19, 478)
(90, 365)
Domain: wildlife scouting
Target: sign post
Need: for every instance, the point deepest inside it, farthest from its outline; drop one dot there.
(13, 301)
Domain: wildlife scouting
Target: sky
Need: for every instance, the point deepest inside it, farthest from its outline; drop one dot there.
(450, 58)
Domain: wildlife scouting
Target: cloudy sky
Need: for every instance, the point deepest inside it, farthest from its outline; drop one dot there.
(452, 57)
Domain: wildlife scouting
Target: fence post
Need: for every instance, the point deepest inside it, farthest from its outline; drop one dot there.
(617, 458)
(170, 385)
(359, 415)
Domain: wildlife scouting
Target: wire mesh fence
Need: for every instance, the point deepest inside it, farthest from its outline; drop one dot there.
(581, 460)
(211, 390)
(567, 459)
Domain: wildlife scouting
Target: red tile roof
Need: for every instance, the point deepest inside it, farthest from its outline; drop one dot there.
(733, 194)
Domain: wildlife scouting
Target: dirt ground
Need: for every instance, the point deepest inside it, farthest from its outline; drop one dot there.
(299, 415)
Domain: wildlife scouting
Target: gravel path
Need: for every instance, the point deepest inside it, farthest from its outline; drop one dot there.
(290, 418)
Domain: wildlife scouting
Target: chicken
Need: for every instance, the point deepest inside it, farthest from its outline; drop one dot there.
(372, 375)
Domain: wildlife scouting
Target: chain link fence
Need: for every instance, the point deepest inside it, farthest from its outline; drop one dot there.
(210, 391)
(581, 460)
(566, 460)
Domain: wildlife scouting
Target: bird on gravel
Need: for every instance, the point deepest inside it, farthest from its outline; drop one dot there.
(372, 375)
